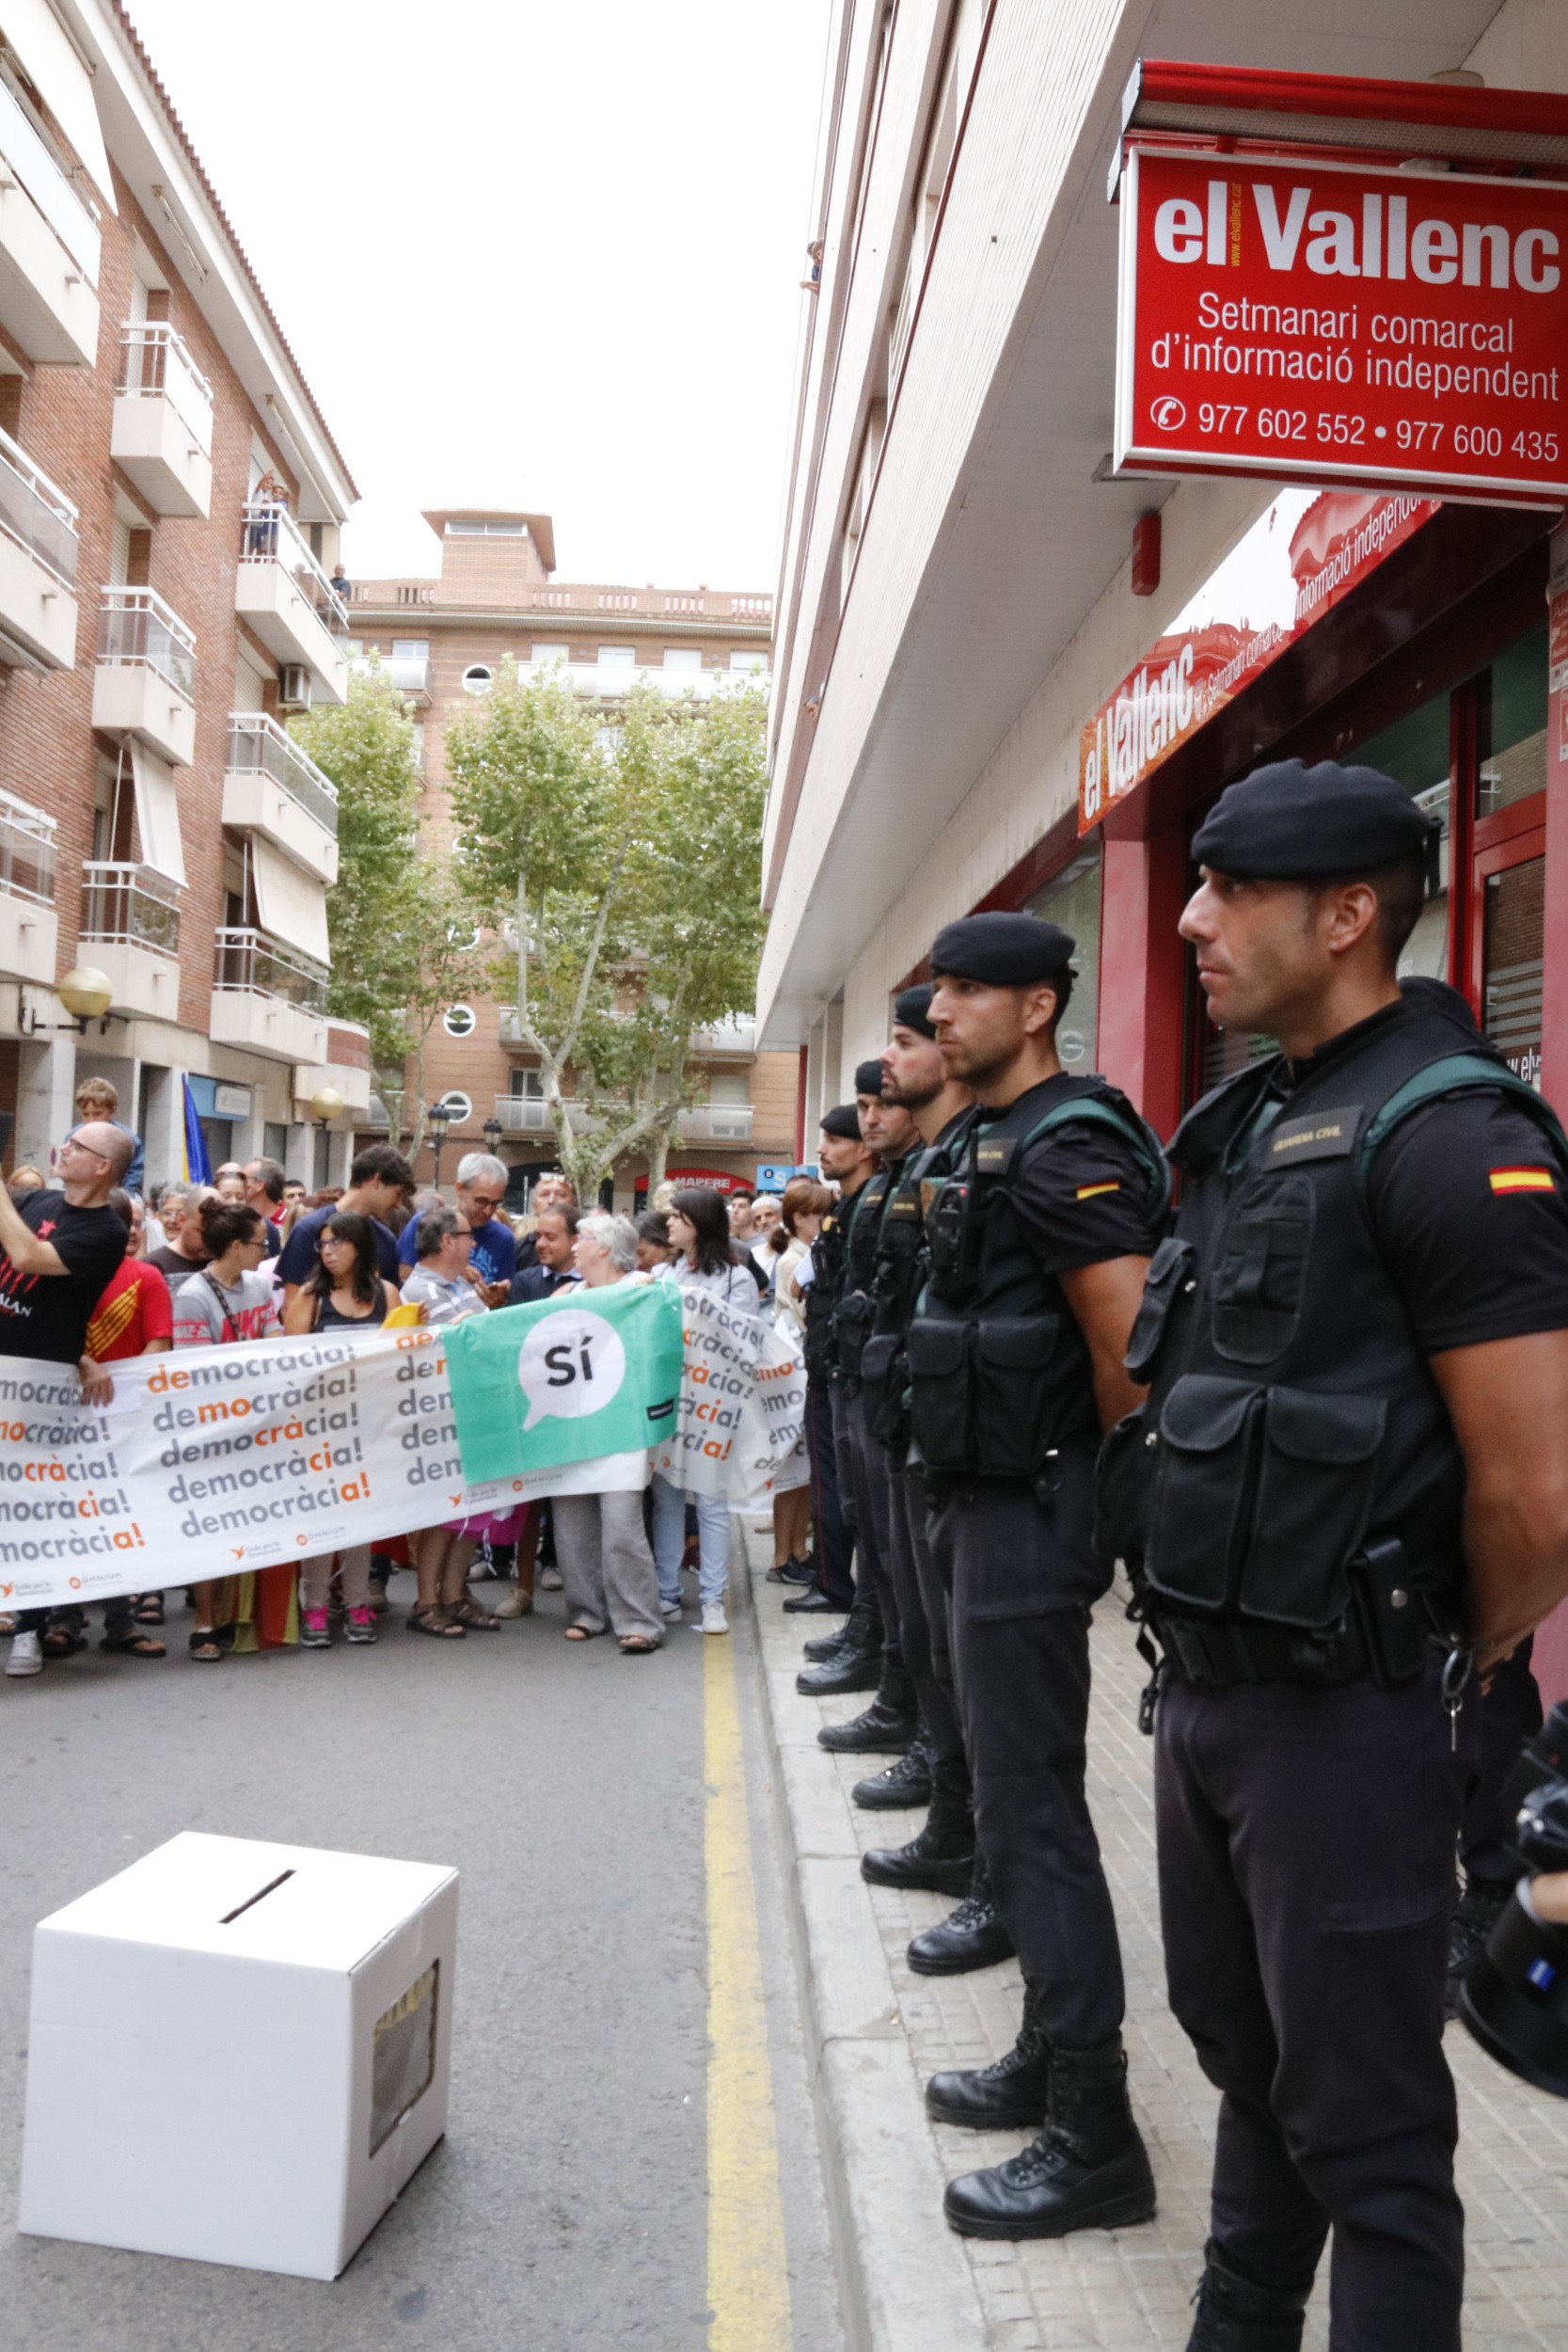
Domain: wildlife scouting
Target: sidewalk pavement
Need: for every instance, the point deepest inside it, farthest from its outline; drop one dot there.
(875, 2032)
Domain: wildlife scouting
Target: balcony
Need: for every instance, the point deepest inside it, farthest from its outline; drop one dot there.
(130, 932)
(37, 562)
(409, 672)
(271, 787)
(49, 247)
(268, 998)
(346, 1068)
(162, 434)
(282, 593)
(28, 927)
(724, 1037)
(146, 676)
(717, 1122)
(609, 681)
(529, 1114)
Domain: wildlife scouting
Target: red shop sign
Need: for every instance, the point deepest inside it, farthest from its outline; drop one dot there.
(1321, 321)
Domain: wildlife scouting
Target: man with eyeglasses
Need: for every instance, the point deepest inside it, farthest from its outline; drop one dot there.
(481, 1188)
(60, 1251)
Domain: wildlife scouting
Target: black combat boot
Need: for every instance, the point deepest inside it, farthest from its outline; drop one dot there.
(1236, 2315)
(941, 1858)
(904, 1784)
(855, 1662)
(889, 1724)
(850, 1632)
(1088, 2170)
(1011, 2095)
(973, 1936)
(813, 1602)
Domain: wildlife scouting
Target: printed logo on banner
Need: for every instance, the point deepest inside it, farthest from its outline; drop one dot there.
(559, 1381)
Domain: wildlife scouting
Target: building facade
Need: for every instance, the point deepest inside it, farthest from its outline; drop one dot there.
(999, 682)
(160, 838)
(446, 640)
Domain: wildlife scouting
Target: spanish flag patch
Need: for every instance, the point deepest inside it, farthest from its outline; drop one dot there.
(1522, 1180)
(1091, 1192)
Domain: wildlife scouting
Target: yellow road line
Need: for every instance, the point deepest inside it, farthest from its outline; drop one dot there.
(748, 2280)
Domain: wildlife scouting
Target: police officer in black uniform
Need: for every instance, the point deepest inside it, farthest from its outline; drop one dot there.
(851, 1660)
(1038, 1246)
(834, 1589)
(1347, 1479)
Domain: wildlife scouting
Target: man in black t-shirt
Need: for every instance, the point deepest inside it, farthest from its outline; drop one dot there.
(59, 1250)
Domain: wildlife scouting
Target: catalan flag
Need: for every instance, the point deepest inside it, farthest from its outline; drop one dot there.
(1522, 1180)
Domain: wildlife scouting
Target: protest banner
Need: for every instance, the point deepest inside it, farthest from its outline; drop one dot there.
(738, 1430)
(585, 1374)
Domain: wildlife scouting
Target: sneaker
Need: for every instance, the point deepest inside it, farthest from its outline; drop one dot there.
(549, 1580)
(26, 1656)
(361, 1626)
(669, 1610)
(314, 1632)
(714, 1619)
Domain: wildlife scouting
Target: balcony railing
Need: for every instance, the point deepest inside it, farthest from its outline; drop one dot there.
(135, 625)
(259, 746)
(154, 360)
(26, 852)
(43, 176)
(260, 965)
(717, 1122)
(130, 906)
(271, 536)
(408, 672)
(725, 1036)
(34, 513)
(529, 1114)
(609, 681)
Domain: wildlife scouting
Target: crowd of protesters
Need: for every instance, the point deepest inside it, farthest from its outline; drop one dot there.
(92, 1273)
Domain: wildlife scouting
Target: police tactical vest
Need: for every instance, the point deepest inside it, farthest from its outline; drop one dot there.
(898, 1276)
(1000, 1377)
(852, 1314)
(1294, 1466)
(827, 1263)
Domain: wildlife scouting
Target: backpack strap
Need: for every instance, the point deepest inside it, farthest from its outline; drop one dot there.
(1142, 1141)
(1442, 1081)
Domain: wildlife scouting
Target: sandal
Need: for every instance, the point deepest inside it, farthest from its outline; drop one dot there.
(62, 1640)
(132, 1645)
(637, 1646)
(433, 1621)
(150, 1609)
(585, 1633)
(467, 1612)
(206, 1646)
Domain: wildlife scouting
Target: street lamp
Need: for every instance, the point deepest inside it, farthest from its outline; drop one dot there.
(85, 994)
(491, 1134)
(438, 1119)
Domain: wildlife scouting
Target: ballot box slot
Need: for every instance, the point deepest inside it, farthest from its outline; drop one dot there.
(251, 1900)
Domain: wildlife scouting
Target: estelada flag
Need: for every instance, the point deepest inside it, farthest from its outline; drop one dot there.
(586, 1373)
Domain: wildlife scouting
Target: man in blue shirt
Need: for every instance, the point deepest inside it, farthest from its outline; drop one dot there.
(481, 1189)
(379, 1183)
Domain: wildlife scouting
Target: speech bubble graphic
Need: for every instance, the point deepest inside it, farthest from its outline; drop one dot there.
(571, 1363)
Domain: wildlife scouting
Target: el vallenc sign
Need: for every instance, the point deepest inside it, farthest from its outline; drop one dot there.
(1321, 321)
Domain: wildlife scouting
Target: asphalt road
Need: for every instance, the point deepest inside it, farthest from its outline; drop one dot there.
(567, 2206)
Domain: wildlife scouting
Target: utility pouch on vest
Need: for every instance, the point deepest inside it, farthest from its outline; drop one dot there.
(1170, 1279)
(1262, 1498)
(942, 1397)
(981, 1396)
(955, 1235)
(1393, 1623)
(1123, 1484)
(851, 1329)
(879, 1386)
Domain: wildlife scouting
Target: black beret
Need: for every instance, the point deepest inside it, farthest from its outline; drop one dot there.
(1288, 822)
(868, 1077)
(843, 1121)
(911, 1008)
(1002, 950)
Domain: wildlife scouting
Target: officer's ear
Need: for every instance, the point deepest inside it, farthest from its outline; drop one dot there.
(1346, 916)
(1037, 1004)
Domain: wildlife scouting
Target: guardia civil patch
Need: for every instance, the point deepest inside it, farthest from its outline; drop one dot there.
(1522, 1180)
(1327, 1134)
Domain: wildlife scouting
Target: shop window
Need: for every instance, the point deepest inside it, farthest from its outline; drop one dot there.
(1513, 945)
(1071, 902)
(1510, 725)
(1415, 751)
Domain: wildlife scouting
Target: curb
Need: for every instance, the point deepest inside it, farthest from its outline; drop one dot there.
(907, 2283)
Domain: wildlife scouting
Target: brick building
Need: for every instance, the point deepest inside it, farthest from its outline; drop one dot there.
(495, 601)
(159, 836)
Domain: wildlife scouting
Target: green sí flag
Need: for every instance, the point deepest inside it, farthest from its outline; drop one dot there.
(588, 1372)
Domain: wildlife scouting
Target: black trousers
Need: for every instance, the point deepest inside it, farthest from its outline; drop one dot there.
(1306, 1882)
(868, 1482)
(933, 1692)
(1021, 1577)
(834, 1544)
(1510, 1715)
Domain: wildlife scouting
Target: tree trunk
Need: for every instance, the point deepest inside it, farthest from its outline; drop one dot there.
(659, 1153)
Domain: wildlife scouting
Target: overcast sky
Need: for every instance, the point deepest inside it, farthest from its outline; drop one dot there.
(543, 256)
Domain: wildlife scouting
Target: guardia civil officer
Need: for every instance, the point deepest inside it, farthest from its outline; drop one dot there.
(1038, 1245)
(834, 1590)
(891, 1721)
(1348, 1477)
(852, 1659)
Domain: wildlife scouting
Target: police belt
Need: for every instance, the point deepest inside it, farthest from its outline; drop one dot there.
(1224, 1655)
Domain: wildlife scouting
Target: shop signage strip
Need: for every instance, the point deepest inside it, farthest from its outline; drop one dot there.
(1339, 321)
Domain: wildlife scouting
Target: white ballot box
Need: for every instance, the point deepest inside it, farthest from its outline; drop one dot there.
(238, 2052)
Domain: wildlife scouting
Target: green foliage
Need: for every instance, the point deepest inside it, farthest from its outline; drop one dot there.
(628, 865)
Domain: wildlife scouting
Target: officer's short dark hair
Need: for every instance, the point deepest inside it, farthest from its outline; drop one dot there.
(1401, 895)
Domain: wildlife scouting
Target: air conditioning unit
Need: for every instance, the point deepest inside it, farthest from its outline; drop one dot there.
(294, 687)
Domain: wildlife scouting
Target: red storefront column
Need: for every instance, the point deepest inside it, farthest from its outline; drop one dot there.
(1551, 1642)
(1141, 1029)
